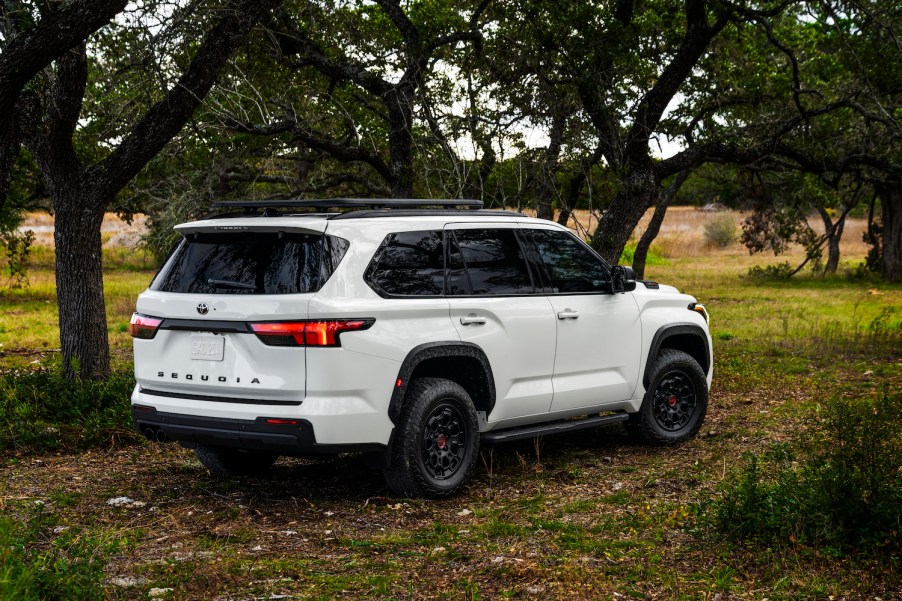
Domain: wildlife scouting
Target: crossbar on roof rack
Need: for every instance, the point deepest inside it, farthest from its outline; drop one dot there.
(349, 203)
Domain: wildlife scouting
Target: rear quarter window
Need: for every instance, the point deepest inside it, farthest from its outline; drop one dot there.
(250, 263)
(409, 264)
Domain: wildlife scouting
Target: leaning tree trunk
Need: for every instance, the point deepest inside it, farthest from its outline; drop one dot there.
(833, 232)
(654, 226)
(79, 285)
(891, 199)
(637, 193)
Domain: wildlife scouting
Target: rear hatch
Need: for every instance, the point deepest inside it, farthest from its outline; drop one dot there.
(224, 317)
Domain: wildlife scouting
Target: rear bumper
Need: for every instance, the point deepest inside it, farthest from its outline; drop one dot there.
(296, 438)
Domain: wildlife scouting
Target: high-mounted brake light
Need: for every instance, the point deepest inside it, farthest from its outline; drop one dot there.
(308, 333)
(142, 326)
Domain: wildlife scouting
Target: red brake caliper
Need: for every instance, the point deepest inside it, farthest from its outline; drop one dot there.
(440, 441)
(672, 401)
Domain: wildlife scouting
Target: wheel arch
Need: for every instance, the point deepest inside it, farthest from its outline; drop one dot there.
(687, 337)
(462, 362)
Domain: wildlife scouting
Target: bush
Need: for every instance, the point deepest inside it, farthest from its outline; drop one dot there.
(31, 568)
(770, 273)
(839, 487)
(42, 410)
(721, 231)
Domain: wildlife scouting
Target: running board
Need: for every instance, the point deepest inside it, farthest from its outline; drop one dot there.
(552, 428)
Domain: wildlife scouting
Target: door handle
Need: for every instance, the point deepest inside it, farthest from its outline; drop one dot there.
(472, 319)
(568, 314)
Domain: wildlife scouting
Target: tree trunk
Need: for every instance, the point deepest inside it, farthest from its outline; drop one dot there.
(654, 226)
(79, 286)
(891, 199)
(547, 177)
(638, 192)
(833, 232)
(400, 142)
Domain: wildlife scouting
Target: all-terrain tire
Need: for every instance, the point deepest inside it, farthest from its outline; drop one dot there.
(229, 463)
(675, 402)
(436, 442)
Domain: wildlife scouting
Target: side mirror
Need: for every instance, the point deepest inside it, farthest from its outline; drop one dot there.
(623, 279)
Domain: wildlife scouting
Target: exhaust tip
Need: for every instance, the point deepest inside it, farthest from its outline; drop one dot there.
(149, 434)
(161, 436)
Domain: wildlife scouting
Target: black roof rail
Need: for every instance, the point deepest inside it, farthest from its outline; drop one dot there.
(252, 206)
(421, 213)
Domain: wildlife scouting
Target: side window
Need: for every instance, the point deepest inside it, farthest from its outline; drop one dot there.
(571, 266)
(494, 262)
(410, 264)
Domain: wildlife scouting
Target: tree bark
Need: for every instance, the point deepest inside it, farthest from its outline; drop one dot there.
(833, 232)
(891, 200)
(547, 176)
(638, 191)
(654, 226)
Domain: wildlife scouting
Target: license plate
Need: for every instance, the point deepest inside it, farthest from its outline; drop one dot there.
(207, 348)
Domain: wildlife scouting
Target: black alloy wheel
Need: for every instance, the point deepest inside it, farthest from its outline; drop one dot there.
(444, 441)
(674, 403)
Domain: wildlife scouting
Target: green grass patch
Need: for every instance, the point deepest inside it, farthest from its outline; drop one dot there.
(42, 410)
(35, 566)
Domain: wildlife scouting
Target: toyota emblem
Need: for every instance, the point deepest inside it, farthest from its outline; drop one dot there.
(202, 308)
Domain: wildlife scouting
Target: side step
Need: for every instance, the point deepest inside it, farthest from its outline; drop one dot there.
(552, 428)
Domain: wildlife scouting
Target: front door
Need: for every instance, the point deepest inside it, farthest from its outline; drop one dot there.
(599, 334)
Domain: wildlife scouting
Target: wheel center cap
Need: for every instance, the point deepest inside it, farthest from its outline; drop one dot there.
(672, 401)
(441, 440)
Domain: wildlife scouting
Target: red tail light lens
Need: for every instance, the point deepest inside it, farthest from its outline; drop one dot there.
(142, 326)
(308, 333)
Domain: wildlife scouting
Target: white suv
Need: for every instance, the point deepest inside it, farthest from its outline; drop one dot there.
(414, 332)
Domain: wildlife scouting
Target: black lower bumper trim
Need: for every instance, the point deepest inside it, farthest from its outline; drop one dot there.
(283, 438)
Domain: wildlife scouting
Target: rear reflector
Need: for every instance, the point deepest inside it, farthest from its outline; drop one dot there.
(142, 326)
(282, 422)
(308, 333)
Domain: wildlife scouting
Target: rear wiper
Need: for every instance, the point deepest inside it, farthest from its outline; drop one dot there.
(230, 284)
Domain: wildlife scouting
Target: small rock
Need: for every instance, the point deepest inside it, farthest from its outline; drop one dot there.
(606, 460)
(712, 432)
(438, 550)
(127, 581)
(117, 501)
(617, 485)
(257, 548)
(60, 529)
(498, 559)
(157, 593)
(869, 372)
(464, 512)
(535, 589)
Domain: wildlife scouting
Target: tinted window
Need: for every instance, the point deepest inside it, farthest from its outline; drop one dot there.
(494, 262)
(571, 266)
(245, 263)
(458, 282)
(411, 264)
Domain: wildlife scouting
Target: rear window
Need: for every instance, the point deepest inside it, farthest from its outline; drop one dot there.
(410, 264)
(250, 263)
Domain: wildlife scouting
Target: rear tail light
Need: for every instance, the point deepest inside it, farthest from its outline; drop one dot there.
(308, 333)
(142, 326)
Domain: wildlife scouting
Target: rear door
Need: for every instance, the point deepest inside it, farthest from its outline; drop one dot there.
(496, 305)
(210, 294)
(598, 333)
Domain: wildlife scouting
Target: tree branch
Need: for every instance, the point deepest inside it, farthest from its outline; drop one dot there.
(167, 117)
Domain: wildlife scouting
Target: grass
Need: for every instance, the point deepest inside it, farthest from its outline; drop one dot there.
(587, 516)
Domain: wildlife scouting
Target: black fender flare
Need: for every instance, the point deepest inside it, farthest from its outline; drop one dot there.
(676, 329)
(435, 350)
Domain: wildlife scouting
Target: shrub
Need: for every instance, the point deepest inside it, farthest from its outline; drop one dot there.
(31, 568)
(839, 485)
(42, 410)
(721, 231)
(770, 273)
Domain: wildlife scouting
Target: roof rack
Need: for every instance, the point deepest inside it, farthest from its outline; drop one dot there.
(252, 206)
